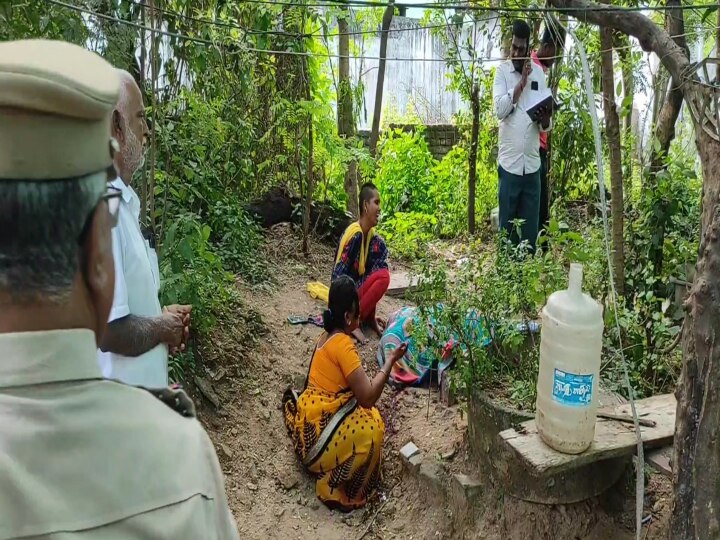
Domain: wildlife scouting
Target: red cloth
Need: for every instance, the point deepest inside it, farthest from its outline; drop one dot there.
(543, 134)
(371, 291)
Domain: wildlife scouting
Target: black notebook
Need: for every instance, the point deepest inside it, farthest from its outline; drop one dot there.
(543, 99)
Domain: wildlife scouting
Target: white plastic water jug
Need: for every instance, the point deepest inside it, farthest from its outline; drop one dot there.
(568, 381)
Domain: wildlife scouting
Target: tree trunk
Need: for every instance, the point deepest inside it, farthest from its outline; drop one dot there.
(650, 36)
(375, 132)
(143, 48)
(621, 43)
(143, 88)
(717, 46)
(661, 85)
(612, 132)
(346, 122)
(310, 184)
(696, 455)
(660, 89)
(665, 127)
(554, 82)
(472, 156)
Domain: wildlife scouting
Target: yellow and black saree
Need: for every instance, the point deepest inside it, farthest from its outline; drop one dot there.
(338, 442)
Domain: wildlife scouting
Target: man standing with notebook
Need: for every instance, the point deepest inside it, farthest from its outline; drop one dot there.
(519, 86)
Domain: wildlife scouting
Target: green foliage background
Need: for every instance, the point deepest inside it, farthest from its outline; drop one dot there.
(232, 120)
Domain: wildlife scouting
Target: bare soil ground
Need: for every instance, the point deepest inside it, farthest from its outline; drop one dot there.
(268, 492)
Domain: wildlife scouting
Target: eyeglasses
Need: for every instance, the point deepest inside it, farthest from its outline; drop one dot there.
(112, 198)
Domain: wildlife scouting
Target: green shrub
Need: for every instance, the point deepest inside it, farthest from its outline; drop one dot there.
(505, 286)
(201, 175)
(408, 233)
(424, 198)
(238, 239)
(404, 173)
(193, 273)
(449, 192)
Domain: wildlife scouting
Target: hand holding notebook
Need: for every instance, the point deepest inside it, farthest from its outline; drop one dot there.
(543, 100)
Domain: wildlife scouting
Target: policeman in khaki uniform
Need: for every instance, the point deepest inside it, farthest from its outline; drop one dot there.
(80, 456)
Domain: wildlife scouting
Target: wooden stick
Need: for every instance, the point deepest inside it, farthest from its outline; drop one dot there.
(627, 419)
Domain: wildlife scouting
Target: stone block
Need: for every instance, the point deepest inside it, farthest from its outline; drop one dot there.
(409, 450)
(415, 462)
(487, 418)
(469, 487)
(411, 456)
(447, 396)
(430, 478)
(430, 473)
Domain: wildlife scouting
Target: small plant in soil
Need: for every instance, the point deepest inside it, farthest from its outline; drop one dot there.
(497, 290)
(484, 307)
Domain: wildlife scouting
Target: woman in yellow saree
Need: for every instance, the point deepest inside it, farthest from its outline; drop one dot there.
(337, 431)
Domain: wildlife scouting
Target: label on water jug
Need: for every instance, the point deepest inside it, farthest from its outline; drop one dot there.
(571, 389)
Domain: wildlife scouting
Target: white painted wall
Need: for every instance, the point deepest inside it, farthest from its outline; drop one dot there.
(416, 74)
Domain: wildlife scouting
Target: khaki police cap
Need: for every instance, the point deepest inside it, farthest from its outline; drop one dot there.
(56, 103)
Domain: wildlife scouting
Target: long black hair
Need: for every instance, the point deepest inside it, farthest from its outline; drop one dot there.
(343, 298)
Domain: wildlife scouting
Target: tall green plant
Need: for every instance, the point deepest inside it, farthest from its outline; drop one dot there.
(404, 173)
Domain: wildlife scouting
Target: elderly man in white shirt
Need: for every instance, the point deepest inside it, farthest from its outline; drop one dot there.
(135, 346)
(518, 83)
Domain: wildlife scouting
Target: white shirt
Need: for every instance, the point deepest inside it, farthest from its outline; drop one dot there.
(518, 137)
(137, 284)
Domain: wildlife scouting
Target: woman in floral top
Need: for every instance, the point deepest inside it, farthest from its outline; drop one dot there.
(362, 255)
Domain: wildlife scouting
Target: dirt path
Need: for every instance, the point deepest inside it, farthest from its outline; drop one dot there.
(269, 494)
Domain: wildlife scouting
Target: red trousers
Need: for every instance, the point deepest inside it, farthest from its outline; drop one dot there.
(370, 293)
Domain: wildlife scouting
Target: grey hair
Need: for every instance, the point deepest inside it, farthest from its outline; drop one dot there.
(40, 225)
(127, 82)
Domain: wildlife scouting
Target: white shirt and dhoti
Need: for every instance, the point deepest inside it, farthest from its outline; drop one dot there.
(137, 286)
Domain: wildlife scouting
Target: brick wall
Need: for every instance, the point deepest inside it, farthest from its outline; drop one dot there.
(440, 137)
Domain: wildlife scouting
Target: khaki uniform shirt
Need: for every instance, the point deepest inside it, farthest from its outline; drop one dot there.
(82, 457)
